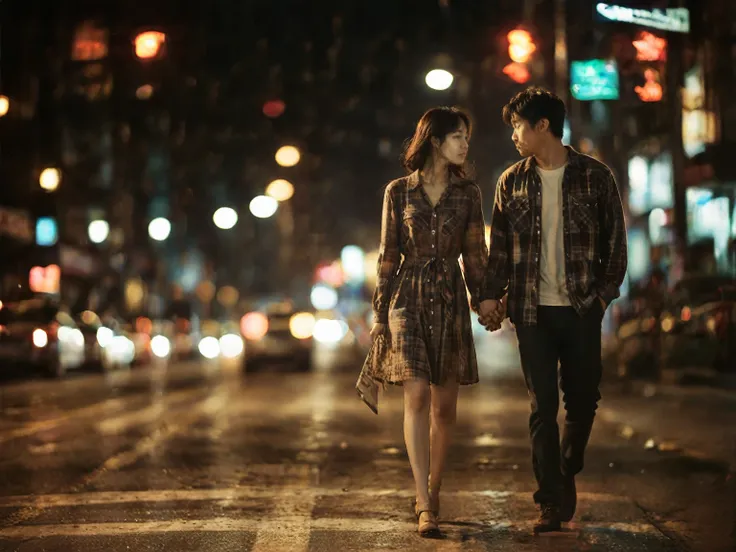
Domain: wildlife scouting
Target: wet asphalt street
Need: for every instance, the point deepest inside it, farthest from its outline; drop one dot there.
(199, 456)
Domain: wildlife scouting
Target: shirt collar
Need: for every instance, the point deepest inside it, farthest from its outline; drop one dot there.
(574, 160)
(413, 180)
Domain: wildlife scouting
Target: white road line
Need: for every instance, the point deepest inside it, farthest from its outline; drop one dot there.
(275, 528)
(295, 509)
(142, 447)
(102, 409)
(235, 493)
(162, 404)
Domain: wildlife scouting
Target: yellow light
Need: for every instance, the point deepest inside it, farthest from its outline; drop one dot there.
(144, 92)
(148, 44)
(4, 105)
(50, 179)
(288, 156)
(280, 190)
(301, 325)
(521, 45)
(227, 296)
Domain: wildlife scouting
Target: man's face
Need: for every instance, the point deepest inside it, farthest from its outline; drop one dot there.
(525, 137)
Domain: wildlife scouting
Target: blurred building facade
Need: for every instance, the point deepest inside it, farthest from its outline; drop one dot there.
(188, 120)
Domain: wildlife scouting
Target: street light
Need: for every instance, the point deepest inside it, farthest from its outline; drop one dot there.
(225, 218)
(4, 105)
(288, 156)
(50, 179)
(263, 206)
(280, 190)
(98, 231)
(159, 229)
(439, 79)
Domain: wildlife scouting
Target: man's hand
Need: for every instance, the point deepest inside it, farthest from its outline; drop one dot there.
(377, 330)
(491, 314)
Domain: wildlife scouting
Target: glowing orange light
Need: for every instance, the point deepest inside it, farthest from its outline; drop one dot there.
(44, 279)
(650, 47)
(143, 325)
(686, 314)
(148, 44)
(521, 45)
(652, 90)
(517, 72)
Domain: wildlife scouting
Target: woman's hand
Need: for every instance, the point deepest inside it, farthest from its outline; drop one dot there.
(377, 330)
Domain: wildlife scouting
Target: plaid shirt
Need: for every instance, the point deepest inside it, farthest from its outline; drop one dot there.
(594, 234)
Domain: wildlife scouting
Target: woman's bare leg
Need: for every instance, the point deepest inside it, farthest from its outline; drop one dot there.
(416, 434)
(444, 414)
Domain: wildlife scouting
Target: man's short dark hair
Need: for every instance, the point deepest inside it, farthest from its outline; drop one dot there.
(535, 104)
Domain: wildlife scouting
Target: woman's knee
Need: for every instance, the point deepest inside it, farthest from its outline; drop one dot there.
(444, 412)
(416, 397)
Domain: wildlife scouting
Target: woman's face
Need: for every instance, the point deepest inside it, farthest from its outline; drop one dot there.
(454, 149)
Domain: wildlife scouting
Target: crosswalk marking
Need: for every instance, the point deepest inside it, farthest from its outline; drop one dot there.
(276, 529)
(237, 493)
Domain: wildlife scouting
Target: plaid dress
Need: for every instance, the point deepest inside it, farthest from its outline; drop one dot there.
(420, 293)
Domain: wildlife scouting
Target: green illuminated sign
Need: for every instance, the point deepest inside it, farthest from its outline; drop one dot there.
(594, 79)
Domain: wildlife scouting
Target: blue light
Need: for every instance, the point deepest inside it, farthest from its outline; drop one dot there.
(47, 233)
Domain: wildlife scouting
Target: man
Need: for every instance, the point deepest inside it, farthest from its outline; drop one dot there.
(558, 254)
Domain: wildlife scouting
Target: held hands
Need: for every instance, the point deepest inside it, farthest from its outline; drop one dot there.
(491, 314)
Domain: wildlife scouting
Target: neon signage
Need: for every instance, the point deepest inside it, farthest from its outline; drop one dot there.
(672, 19)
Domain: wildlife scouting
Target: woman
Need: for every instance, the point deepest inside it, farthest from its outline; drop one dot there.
(422, 336)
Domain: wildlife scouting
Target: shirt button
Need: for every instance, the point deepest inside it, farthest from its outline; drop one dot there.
(434, 215)
(433, 232)
(432, 246)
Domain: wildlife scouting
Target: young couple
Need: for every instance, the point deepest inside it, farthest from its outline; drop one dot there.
(556, 260)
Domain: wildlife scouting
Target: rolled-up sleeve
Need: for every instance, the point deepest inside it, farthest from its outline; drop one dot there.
(388, 258)
(475, 250)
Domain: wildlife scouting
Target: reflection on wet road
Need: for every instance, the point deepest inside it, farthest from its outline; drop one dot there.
(200, 456)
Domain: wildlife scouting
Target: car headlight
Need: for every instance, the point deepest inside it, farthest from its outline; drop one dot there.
(231, 345)
(209, 347)
(40, 338)
(160, 346)
(104, 336)
(301, 325)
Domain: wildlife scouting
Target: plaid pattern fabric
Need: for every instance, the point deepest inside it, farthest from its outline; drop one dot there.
(421, 294)
(594, 233)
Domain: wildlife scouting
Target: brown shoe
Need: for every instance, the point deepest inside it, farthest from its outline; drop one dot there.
(427, 524)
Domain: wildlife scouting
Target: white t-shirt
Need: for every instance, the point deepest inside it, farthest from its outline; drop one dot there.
(552, 288)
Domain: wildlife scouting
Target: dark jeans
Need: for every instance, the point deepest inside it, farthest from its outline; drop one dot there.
(561, 335)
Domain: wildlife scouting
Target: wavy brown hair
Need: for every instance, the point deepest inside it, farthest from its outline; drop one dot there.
(437, 122)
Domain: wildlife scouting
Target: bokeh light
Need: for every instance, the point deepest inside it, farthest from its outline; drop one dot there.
(50, 179)
(439, 79)
(280, 190)
(288, 156)
(274, 108)
(225, 218)
(98, 231)
(159, 229)
(263, 206)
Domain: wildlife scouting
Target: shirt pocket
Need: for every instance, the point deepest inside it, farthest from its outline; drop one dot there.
(452, 223)
(584, 212)
(519, 214)
(415, 220)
